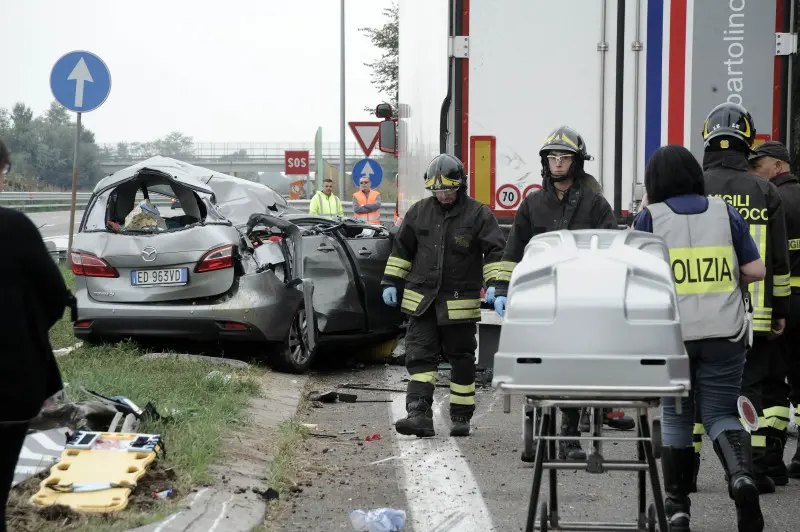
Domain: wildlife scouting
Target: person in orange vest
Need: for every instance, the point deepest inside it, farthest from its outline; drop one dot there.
(367, 202)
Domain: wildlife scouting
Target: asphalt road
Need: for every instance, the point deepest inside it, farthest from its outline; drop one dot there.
(477, 483)
(54, 224)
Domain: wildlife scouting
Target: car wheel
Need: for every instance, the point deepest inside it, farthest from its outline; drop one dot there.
(293, 355)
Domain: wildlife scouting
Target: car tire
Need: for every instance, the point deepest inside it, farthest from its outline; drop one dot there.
(293, 355)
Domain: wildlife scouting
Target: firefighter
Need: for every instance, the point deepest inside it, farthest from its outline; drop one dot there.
(448, 247)
(570, 199)
(728, 134)
(771, 161)
(701, 231)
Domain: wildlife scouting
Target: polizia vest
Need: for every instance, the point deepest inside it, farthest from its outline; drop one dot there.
(705, 269)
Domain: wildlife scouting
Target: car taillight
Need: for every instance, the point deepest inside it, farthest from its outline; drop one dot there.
(91, 266)
(216, 259)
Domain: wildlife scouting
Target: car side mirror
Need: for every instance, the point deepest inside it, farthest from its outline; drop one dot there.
(387, 139)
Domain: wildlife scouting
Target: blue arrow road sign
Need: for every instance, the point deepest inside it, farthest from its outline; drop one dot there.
(80, 81)
(368, 168)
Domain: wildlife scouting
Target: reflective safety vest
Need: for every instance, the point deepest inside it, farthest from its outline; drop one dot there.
(705, 269)
(362, 199)
(325, 205)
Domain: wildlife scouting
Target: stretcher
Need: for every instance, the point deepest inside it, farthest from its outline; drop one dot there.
(592, 322)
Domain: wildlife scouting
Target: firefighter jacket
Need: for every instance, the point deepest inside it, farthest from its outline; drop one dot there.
(727, 175)
(583, 207)
(444, 257)
(789, 189)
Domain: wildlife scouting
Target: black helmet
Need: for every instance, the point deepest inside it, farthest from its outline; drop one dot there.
(726, 122)
(445, 172)
(564, 138)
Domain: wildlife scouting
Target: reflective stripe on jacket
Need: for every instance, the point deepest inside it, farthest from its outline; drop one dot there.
(326, 205)
(705, 269)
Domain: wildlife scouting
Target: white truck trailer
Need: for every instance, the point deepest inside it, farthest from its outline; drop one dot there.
(486, 80)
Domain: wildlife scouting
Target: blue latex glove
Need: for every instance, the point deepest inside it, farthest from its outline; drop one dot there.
(489, 297)
(390, 296)
(500, 305)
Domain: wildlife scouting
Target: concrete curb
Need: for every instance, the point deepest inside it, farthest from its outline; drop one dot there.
(231, 505)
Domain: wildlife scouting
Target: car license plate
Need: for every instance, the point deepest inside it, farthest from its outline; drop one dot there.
(163, 277)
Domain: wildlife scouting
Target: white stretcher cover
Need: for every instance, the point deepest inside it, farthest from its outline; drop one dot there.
(592, 313)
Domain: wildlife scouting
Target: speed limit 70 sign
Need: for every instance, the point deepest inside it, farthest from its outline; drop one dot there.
(297, 163)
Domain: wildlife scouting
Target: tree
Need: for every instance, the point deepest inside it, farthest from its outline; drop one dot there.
(385, 69)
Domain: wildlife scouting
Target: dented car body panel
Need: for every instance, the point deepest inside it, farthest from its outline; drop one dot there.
(172, 283)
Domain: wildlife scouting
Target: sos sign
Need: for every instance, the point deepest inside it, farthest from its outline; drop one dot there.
(296, 162)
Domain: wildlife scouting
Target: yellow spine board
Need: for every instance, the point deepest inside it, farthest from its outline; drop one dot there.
(92, 466)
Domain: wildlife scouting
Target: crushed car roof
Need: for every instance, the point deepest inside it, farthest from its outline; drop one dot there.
(236, 198)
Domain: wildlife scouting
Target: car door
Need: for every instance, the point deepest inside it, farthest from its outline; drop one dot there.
(337, 300)
(370, 254)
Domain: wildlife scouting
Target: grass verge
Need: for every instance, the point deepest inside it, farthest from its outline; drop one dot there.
(203, 411)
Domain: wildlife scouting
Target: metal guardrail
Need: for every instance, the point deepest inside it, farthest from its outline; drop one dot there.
(53, 200)
(226, 150)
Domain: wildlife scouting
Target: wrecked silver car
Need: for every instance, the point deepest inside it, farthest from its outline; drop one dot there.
(236, 264)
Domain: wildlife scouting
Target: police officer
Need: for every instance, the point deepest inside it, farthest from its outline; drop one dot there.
(700, 232)
(729, 134)
(771, 161)
(447, 248)
(570, 199)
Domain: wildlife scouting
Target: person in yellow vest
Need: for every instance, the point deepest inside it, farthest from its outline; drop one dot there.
(367, 202)
(325, 203)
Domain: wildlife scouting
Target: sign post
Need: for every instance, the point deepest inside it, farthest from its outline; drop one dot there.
(297, 162)
(81, 82)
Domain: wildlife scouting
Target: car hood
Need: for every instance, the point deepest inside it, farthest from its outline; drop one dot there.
(236, 198)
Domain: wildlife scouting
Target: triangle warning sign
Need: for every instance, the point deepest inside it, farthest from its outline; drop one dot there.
(366, 134)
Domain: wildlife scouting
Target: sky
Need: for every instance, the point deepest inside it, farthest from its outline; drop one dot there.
(218, 71)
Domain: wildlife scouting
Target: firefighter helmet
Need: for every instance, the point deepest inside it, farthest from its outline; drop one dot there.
(445, 172)
(566, 139)
(726, 122)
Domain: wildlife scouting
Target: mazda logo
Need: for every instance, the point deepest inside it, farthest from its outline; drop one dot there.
(149, 253)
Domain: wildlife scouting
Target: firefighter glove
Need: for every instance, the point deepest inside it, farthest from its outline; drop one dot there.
(500, 305)
(489, 297)
(390, 296)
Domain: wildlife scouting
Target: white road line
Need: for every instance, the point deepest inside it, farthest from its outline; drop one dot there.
(174, 516)
(442, 493)
(218, 520)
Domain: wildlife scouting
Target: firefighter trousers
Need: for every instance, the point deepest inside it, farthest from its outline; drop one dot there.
(425, 340)
(763, 382)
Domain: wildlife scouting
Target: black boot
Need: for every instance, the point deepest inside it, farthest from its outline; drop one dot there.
(459, 425)
(794, 466)
(570, 449)
(734, 451)
(773, 460)
(419, 421)
(695, 472)
(763, 481)
(618, 420)
(678, 466)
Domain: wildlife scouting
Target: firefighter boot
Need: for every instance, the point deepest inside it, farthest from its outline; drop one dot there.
(419, 421)
(618, 420)
(570, 449)
(678, 466)
(763, 481)
(459, 425)
(794, 467)
(773, 460)
(695, 471)
(734, 451)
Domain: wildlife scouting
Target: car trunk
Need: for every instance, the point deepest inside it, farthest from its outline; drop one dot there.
(158, 267)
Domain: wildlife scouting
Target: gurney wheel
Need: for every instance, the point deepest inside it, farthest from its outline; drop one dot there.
(543, 517)
(655, 435)
(651, 518)
(528, 450)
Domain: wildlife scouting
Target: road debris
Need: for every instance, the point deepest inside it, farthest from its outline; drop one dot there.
(380, 520)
